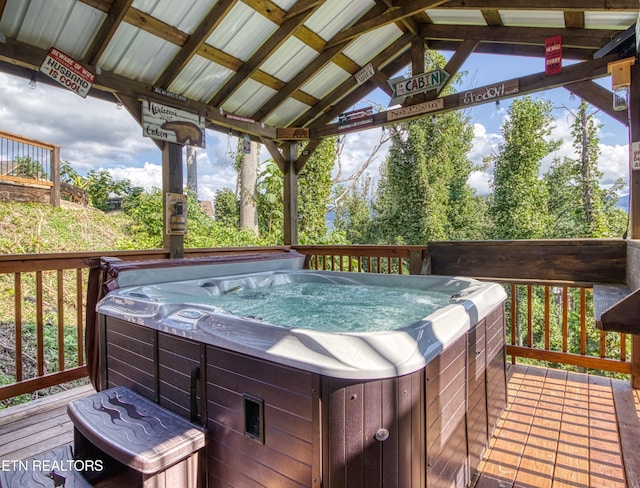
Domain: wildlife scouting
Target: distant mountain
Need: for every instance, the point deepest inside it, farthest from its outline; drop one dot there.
(623, 202)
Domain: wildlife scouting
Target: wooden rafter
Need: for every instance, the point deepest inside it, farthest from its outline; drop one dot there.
(114, 18)
(285, 31)
(195, 41)
(577, 38)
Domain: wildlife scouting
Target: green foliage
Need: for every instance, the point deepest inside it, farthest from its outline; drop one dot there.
(26, 167)
(353, 211)
(519, 201)
(101, 186)
(227, 208)
(423, 192)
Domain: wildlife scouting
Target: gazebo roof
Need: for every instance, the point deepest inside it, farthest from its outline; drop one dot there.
(253, 66)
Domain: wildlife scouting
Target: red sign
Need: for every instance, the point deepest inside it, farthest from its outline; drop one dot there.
(68, 72)
(553, 55)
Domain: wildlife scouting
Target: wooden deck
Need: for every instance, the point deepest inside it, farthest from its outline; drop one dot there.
(560, 430)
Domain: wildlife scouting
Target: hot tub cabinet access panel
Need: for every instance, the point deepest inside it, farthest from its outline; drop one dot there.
(272, 425)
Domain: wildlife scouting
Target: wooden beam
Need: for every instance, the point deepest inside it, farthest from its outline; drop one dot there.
(529, 84)
(492, 17)
(553, 5)
(114, 18)
(584, 38)
(391, 16)
(307, 152)
(285, 31)
(634, 133)
(574, 20)
(275, 153)
(599, 97)
(196, 40)
(171, 183)
(291, 195)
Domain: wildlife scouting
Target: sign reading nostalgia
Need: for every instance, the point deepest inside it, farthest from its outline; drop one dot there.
(404, 87)
(171, 124)
(68, 72)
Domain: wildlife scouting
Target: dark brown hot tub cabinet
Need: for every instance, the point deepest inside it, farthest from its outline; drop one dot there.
(272, 425)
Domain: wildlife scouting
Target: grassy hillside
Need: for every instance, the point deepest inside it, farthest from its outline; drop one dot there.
(36, 228)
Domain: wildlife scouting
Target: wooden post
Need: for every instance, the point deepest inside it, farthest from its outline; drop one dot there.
(634, 199)
(291, 196)
(171, 183)
(55, 176)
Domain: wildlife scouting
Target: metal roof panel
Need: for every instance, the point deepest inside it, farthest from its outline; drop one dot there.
(242, 32)
(248, 98)
(289, 111)
(289, 59)
(335, 15)
(533, 18)
(462, 17)
(609, 20)
(325, 80)
(185, 15)
(372, 43)
(145, 61)
(200, 79)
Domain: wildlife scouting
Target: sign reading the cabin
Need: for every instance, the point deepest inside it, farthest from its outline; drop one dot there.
(404, 87)
(417, 109)
(171, 124)
(490, 92)
(292, 133)
(356, 118)
(553, 55)
(68, 72)
(365, 74)
(635, 155)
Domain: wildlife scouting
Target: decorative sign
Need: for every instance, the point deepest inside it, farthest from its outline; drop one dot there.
(365, 73)
(404, 87)
(292, 134)
(68, 72)
(176, 214)
(490, 92)
(240, 118)
(246, 144)
(553, 55)
(635, 155)
(420, 108)
(171, 124)
(356, 118)
(169, 94)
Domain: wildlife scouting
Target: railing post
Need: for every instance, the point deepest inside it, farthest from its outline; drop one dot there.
(635, 362)
(419, 262)
(55, 176)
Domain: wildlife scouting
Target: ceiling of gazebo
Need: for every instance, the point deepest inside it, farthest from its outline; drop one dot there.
(256, 65)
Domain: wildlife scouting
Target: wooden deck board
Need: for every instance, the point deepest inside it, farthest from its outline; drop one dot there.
(560, 430)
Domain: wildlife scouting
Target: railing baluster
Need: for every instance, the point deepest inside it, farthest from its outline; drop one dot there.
(39, 324)
(514, 317)
(17, 314)
(60, 279)
(583, 322)
(80, 315)
(547, 323)
(529, 317)
(623, 347)
(565, 319)
(603, 344)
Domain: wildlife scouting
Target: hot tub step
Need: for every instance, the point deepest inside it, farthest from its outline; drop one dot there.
(160, 445)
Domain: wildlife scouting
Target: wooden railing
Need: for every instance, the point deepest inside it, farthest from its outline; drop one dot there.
(29, 169)
(42, 315)
(43, 296)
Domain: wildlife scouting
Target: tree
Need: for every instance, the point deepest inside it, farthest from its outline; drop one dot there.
(353, 209)
(314, 196)
(227, 210)
(27, 167)
(519, 204)
(423, 192)
(101, 187)
(578, 205)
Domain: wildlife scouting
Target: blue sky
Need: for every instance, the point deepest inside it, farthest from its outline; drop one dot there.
(97, 135)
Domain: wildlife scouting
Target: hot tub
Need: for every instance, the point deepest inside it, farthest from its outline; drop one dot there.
(313, 378)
